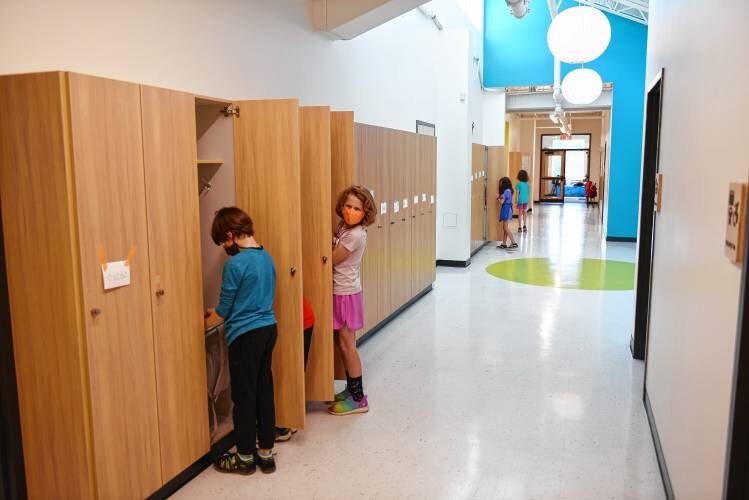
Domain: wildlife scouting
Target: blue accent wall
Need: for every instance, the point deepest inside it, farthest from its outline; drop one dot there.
(516, 54)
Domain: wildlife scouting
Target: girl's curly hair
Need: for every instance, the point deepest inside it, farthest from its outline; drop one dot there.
(368, 203)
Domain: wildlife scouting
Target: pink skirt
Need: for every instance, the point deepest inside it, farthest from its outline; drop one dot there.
(348, 310)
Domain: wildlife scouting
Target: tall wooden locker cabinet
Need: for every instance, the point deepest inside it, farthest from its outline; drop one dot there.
(495, 171)
(267, 172)
(176, 285)
(314, 127)
(97, 368)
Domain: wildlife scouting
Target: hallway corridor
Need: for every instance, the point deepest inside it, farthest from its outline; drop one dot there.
(485, 389)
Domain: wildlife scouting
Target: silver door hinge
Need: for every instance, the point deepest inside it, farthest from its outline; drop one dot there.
(231, 110)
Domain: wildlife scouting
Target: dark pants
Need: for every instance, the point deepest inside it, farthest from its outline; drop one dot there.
(307, 343)
(250, 358)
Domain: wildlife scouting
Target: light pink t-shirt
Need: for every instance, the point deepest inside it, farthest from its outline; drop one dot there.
(346, 275)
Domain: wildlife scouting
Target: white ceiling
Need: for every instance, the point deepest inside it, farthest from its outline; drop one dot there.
(634, 10)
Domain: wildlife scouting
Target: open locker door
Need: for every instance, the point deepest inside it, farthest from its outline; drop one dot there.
(267, 172)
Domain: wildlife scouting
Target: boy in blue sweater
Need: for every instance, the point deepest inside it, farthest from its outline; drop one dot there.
(246, 308)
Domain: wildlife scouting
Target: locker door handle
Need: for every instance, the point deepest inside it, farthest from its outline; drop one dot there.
(95, 312)
(403, 219)
(160, 292)
(392, 222)
(324, 259)
(293, 270)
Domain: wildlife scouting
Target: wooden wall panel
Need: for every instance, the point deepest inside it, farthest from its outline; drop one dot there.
(111, 202)
(496, 170)
(266, 140)
(46, 318)
(317, 260)
(170, 160)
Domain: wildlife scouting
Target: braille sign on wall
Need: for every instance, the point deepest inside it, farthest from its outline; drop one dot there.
(735, 222)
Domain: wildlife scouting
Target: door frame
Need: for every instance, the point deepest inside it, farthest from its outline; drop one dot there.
(542, 178)
(564, 166)
(735, 482)
(646, 232)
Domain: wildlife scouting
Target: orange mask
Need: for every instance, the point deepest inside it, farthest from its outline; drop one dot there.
(351, 216)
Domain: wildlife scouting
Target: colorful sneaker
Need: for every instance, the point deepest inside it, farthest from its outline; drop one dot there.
(284, 434)
(349, 407)
(267, 464)
(230, 463)
(341, 396)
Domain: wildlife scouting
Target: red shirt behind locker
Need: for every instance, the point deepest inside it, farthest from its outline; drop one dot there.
(309, 314)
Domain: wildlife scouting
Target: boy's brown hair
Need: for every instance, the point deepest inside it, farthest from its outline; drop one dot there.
(523, 176)
(367, 202)
(231, 220)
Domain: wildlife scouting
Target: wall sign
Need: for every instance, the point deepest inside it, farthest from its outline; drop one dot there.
(116, 274)
(735, 222)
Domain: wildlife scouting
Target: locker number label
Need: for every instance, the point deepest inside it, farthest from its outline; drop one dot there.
(115, 274)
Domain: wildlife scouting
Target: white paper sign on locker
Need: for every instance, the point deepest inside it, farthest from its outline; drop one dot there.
(405, 203)
(383, 208)
(115, 274)
(416, 199)
(432, 199)
(396, 207)
(424, 197)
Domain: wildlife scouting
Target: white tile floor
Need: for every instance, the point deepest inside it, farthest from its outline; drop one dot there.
(485, 389)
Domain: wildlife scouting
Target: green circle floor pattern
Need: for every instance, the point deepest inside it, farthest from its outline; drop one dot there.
(582, 274)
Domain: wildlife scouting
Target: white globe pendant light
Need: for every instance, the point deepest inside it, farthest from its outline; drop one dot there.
(582, 86)
(579, 35)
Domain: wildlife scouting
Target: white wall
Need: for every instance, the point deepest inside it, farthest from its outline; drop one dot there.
(393, 75)
(695, 288)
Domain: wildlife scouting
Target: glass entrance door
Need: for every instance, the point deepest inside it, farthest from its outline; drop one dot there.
(552, 176)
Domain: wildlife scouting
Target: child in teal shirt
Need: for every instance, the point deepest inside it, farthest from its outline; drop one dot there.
(524, 191)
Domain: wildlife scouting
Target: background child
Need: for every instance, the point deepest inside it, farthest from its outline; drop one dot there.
(505, 212)
(246, 307)
(524, 192)
(357, 209)
(284, 433)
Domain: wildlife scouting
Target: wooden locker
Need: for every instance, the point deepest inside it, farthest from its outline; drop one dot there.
(382, 226)
(266, 141)
(396, 165)
(317, 261)
(368, 166)
(47, 319)
(107, 149)
(426, 166)
(413, 245)
(496, 170)
(343, 157)
(432, 197)
(170, 158)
